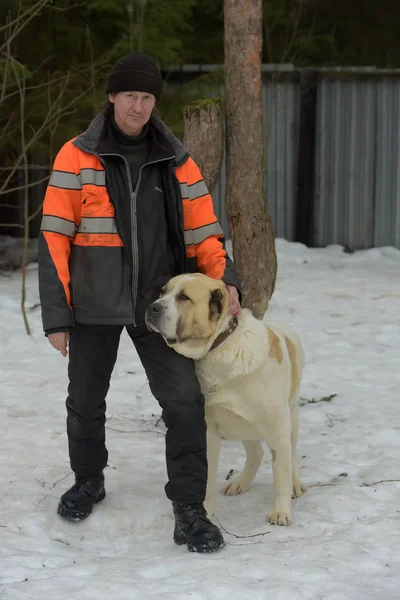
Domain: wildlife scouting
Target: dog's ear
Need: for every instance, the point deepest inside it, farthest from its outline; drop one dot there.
(216, 299)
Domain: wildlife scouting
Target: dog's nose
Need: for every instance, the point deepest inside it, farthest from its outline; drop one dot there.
(154, 308)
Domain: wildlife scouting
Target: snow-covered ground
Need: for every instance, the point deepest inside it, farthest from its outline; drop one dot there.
(345, 539)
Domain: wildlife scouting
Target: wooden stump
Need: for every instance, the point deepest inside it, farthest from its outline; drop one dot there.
(204, 138)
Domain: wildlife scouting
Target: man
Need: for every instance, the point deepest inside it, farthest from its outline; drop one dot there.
(125, 210)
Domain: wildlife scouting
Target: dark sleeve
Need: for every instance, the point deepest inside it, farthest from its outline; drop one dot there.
(58, 330)
(230, 275)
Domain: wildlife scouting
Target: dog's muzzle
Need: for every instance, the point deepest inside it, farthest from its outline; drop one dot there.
(153, 316)
(154, 321)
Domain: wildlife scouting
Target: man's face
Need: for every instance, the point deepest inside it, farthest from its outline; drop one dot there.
(132, 110)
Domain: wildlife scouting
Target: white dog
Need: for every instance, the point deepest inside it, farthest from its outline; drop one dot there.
(249, 372)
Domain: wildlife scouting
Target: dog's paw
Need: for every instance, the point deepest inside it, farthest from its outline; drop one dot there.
(298, 489)
(277, 517)
(235, 487)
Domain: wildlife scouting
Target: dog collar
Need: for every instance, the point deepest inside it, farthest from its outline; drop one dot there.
(233, 323)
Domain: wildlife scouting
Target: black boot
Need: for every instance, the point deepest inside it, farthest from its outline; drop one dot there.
(77, 503)
(192, 527)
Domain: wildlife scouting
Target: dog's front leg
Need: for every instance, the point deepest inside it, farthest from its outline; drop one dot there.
(282, 469)
(213, 449)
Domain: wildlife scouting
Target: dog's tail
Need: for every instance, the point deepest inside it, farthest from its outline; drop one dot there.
(295, 351)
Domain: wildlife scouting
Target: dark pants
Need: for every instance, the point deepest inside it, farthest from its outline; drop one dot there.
(173, 382)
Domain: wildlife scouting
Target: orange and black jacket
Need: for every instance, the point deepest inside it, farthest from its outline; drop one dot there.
(105, 248)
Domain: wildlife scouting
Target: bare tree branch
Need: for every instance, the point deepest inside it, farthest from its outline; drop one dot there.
(22, 187)
(269, 25)
(92, 69)
(22, 91)
(54, 81)
(295, 29)
(35, 214)
(27, 12)
(31, 166)
(64, 9)
(32, 12)
(4, 85)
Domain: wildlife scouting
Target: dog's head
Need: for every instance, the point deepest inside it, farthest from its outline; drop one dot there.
(189, 313)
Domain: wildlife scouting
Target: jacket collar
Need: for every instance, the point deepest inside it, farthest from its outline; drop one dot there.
(97, 140)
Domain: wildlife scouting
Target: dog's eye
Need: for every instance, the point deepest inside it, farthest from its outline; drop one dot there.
(183, 297)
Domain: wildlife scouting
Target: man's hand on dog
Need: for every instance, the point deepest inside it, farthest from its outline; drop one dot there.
(234, 304)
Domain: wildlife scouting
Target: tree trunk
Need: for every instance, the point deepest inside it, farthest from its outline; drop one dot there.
(250, 225)
(204, 138)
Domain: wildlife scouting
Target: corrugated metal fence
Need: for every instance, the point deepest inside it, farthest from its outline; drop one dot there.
(357, 186)
(349, 193)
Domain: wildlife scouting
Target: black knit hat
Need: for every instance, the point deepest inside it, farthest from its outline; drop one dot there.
(135, 72)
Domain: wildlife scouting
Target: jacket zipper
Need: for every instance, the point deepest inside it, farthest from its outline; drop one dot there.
(134, 230)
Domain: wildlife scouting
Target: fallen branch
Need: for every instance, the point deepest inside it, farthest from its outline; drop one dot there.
(58, 481)
(322, 485)
(378, 482)
(304, 401)
(241, 536)
(135, 431)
